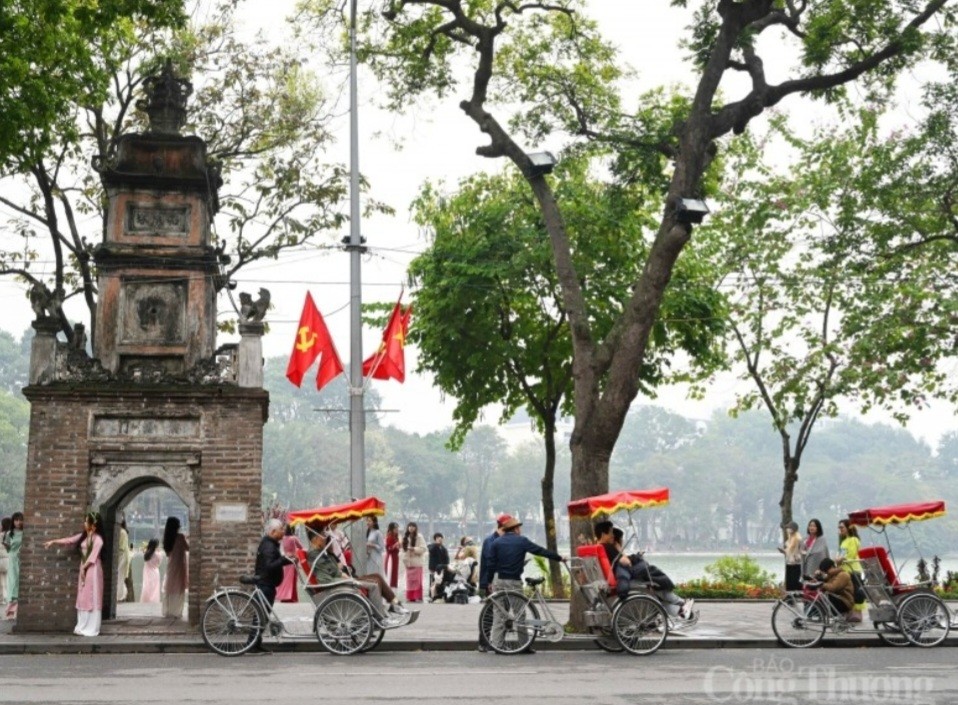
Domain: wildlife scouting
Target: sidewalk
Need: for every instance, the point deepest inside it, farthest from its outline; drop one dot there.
(441, 627)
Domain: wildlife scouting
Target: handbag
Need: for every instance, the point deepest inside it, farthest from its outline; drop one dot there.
(859, 588)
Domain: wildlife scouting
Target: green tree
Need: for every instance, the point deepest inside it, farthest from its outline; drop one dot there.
(52, 59)
(540, 70)
(487, 282)
(14, 429)
(265, 120)
(813, 323)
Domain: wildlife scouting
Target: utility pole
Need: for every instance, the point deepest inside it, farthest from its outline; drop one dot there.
(357, 417)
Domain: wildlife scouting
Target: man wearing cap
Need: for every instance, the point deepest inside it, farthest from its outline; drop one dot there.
(486, 575)
(507, 558)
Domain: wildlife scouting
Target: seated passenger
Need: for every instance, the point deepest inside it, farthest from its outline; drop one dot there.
(837, 585)
(327, 569)
(627, 568)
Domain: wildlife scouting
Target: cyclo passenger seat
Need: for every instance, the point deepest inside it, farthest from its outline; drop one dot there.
(598, 552)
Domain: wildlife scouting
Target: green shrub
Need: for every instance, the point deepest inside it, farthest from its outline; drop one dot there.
(704, 589)
(739, 570)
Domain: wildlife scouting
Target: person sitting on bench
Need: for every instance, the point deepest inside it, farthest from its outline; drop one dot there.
(326, 569)
(628, 568)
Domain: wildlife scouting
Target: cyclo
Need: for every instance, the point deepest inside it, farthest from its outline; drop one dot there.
(900, 613)
(344, 621)
(510, 621)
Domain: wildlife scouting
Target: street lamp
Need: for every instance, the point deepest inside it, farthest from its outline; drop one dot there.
(542, 163)
(690, 210)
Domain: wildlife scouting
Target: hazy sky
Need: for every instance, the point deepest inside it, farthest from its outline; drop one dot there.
(439, 144)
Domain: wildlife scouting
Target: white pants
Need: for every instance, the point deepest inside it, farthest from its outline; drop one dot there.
(88, 623)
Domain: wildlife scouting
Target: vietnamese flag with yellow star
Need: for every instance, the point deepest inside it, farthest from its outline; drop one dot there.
(313, 340)
(389, 362)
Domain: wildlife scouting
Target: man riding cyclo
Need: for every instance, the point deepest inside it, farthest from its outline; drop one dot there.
(837, 585)
(633, 567)
(326, 569)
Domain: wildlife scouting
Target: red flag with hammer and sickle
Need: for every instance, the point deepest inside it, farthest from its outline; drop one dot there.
(389, 361)
(312, 341)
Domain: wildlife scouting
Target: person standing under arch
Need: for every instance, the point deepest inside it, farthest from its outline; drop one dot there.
(177, 572)
(89, 602)
(14, 542)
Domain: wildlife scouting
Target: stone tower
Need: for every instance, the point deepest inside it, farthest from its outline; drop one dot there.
(158, 404)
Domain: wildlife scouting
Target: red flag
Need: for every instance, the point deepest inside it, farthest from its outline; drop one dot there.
(389, 362)
(313, 340)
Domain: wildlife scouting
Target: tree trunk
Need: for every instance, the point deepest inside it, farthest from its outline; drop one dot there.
(548, 507)
(788, 488)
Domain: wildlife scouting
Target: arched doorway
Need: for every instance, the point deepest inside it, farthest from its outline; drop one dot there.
(116, 489)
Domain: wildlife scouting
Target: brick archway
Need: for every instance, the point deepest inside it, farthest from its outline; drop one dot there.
(114, 483)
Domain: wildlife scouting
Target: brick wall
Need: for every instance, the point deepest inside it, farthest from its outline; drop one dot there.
(224, 466)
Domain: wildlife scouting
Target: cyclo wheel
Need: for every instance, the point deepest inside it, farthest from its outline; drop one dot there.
(924, 619)
(799, 624)
(640, 624)
(608, 642)
(889, 633)
(513, 612)
(232, 622)
(375, 640)
(343, 623)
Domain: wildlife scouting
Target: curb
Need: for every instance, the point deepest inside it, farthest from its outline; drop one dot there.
(193, 647)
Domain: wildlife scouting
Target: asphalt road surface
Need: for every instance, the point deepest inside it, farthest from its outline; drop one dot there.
(876, 675)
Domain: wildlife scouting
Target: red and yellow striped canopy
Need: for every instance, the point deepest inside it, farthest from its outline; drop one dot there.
(591, 507)
(898, 513)
(358, 509)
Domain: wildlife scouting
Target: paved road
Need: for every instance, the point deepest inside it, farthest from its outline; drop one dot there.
(819, 676)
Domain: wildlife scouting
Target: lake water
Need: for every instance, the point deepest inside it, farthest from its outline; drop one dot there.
(682, 567)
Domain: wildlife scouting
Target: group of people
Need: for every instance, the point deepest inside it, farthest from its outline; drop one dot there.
(808, 560)
(457, 579)
(89, 544)
(11, 540)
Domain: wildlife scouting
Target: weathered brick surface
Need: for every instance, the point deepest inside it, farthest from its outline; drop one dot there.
(69, 460)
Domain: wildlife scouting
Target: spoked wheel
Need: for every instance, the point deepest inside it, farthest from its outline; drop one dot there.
(640, 625)
(889, 633)
(800, 623)
(924, 619)
(374, 640)
(232, 623)
(343, 624)
(505, 622)
(608, 642)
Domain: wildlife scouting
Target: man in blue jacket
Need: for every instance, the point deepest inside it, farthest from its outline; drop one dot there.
(507, 558)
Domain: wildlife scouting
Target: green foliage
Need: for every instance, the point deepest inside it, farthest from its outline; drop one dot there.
(721, 590)
(739, 569)
(488, 285)
(50, 62)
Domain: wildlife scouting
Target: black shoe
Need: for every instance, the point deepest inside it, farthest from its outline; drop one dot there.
(482, 648)
(530, 650)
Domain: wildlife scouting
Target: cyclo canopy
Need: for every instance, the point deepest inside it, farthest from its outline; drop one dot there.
(350, 511)
(625, 500)
(898, 513)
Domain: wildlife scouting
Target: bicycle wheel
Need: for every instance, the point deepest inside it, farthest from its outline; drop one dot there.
(232, 622)
(343, 623)
(608, 642)
(889, 633)
(504, 622)
(640, 624)
(924, 619)
(374, 640)
(799, 624)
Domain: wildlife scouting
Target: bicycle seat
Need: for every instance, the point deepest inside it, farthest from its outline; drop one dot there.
(532, 582)
(248, 579)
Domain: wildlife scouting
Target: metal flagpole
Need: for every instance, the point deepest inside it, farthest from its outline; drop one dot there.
(357, 418)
